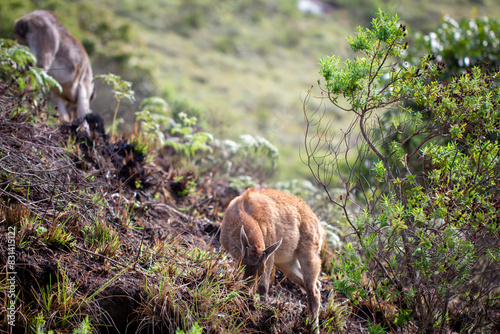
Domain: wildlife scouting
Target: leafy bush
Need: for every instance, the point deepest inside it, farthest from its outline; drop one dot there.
(252, 156)
(122, 89)
(17, 67)
(461, 44)
(187, 141)
(425, 219)
(152, 119)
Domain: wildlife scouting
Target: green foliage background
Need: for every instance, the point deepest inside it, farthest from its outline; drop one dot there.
(239, 66)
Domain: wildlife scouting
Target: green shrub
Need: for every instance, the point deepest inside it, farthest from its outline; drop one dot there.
(17, 67)
(191, 144)
(461, 44)
(252, 156)
(424, 216)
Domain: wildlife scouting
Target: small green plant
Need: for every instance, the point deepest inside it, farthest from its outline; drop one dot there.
(122, 89)
(187, 141)
(38, 326)
(128, 213)
(61, 304)
(153, 118)
(65, 307)
(17, 62)
(56, 236)
(259, 146)
(30, 83)
(252, 156)
(195, 329)
(335, 315)
(188, 186)
(242, 182)
(41, 230)
(376, 329)
(84, 328)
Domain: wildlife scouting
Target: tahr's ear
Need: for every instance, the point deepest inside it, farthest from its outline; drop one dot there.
(244, 241)
(271, 249)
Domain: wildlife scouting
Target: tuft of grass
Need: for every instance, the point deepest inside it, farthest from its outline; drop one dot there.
(62, 305)
(336, 314)
(102, 239)
(56, 237)
(193, 290)
(65, 307)
(14, 214)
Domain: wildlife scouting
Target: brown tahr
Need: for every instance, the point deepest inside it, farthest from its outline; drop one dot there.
(263, 228)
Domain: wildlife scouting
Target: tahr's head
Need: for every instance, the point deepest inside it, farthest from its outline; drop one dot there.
(253, 258)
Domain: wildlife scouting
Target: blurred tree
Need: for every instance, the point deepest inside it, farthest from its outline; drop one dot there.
(460, 45)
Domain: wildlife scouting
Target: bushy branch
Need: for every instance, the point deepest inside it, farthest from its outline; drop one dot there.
(419, 169)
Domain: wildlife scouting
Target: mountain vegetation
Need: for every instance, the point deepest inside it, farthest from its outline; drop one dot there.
(395, 148)
(227, 60)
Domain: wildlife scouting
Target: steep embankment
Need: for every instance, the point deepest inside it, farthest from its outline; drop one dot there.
(102, 232)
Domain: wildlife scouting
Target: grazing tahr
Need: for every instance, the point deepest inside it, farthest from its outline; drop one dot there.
(63, 57)
(263, 228)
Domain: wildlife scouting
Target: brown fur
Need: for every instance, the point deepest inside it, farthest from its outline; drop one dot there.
(269, 217)
(63, 57)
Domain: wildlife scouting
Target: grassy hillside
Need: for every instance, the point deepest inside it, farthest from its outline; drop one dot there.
(95, 238)
(240, 66)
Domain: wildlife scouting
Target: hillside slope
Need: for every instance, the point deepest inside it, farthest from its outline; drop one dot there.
(239, 66)
(109, 242)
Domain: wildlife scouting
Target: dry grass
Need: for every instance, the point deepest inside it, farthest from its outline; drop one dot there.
(36, 172)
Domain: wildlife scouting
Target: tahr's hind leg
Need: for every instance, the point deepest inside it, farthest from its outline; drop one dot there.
(311, 269)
